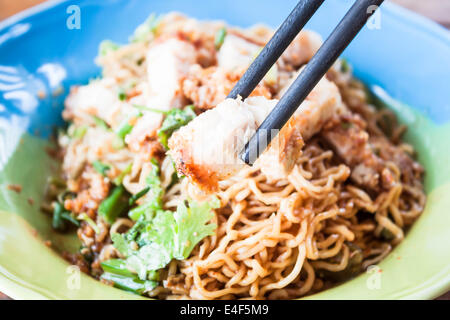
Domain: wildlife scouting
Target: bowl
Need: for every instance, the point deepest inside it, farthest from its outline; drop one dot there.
(403, 58)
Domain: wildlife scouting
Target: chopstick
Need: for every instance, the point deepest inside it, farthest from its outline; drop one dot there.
(317, 67)
(288, 30)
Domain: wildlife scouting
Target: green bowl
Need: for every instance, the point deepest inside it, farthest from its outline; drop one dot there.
(419, 268)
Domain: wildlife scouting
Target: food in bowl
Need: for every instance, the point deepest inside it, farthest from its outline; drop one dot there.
(151, 180)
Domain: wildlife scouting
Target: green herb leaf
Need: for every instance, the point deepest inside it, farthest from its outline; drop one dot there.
(100, 167)
(125, 127)
(345, 67)
(121, 244)
(128, 283)
(57, 222)
(146, 30)
(152, 256)
(100, 123)
(192, 226)
(60, 216)
(116, 266)
(138, 195)
(139, 227)
(175, 119)
(114, 205)
(107, 46)
(154, 201)
(168, 235)
(79, 132)
(144, 108)
(121, 94)
(118, 180)
(220, 38)
(69, 217)
(84, 217)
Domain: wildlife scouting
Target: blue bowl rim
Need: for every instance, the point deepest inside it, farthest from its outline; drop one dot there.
(405, 16)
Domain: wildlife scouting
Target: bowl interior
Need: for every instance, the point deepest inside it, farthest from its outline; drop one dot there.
(42, 58)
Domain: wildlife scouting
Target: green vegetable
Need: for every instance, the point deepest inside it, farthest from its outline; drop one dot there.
(100, 123)
(66, 194)
(125, 127)
(84, 217)
(152, 243)
(128, 283)
(69, 217)
(60, 216)
(146, 209)
(153, 275)
(144, 108)
(175, 119)
(138, 195)
(79, 132)
(192, 226)
(220, 38)
(138, 228)
(146, 30)
(345, 67)
(174, 179)
(100, 167)
(119, 267)
(107, 46)
(57, 222)
(118, 180)
(122, 95)
(118, 143)
(114, 205)
(154, 202)
(122, 243)
(116, 266)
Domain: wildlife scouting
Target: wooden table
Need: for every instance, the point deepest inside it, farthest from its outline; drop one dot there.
(438, 10)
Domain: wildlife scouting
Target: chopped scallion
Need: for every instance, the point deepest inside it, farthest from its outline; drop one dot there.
(138, 195)
(114, 204)
(220, 37)
(100, 167)
(84, 217)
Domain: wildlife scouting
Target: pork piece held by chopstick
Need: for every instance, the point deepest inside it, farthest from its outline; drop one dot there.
(206, 150)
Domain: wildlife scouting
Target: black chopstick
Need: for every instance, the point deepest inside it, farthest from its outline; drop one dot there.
(317, 67)
(296, 20)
